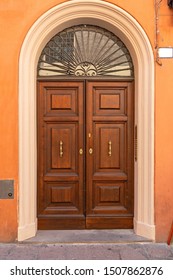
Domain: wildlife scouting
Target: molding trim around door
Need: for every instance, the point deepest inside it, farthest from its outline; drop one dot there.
(121, 23)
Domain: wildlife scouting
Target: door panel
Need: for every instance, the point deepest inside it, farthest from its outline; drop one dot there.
(108, 195)
(61, 101)
(110, 166)
(60, 142)
(108, 101)
(110, 148)
(61, 198)
(85, 155)
(60, 169)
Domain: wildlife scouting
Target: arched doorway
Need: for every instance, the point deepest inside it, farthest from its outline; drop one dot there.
(85, 108)
(125, 27)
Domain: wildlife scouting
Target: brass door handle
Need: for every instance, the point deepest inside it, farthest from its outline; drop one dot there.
(61, 148)
(110, 148)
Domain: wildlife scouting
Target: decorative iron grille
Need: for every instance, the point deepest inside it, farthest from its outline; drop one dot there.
(85, 50)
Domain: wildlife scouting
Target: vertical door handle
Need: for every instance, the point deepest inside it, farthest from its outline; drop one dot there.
(61, 148)
(110, 148)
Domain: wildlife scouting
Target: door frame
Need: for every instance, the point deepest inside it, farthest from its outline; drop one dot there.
(121, 23)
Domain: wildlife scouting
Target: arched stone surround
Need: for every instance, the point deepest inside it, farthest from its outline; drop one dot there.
(121, 23)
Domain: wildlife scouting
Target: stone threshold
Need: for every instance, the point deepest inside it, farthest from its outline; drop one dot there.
(86, 236)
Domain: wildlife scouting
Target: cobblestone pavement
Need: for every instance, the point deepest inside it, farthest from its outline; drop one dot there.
(106, 251)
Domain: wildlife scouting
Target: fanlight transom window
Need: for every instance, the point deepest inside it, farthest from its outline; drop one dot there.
(85, 50)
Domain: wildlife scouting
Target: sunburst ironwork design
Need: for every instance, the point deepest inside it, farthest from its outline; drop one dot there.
(87, 51)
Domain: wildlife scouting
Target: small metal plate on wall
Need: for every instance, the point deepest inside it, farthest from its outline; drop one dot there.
(6, 189)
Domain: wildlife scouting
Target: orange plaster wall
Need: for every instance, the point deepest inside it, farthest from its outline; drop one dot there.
(15, 20)
(164, 150)
(9, 52)
(164, 129)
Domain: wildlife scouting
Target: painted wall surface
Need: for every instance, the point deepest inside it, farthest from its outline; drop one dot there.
(16, 17)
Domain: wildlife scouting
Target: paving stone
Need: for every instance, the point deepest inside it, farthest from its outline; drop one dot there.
(3, 253)
(90, 251)
(74, 252)
(18, 252)
(158, 251)
(129, 253)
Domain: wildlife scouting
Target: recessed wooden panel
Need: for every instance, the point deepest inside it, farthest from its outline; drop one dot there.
(109, 141)
(61, 139)
(109, 196)
(61, 197)
(62, 153)
(62, 194)
(110, 101)
(61, 102)
(110, 148)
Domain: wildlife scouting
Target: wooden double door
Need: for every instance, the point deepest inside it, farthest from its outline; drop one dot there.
(85, 154)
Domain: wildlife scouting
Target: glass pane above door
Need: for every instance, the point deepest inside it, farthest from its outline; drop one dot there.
(87, 51)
